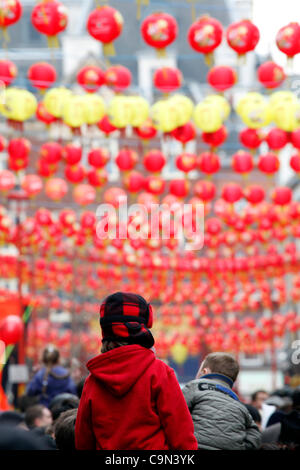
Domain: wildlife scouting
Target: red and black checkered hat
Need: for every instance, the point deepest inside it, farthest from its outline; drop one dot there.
(126, 317)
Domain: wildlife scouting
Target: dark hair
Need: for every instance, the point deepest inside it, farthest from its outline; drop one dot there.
(254, 394)
(110, 345)
(79, 387)
(33, 413)
(222, 363)
(11, 418)
(254, 413)
(19, 439)
(63, 405)
(64, 430)
(26, 401)
(50, 355)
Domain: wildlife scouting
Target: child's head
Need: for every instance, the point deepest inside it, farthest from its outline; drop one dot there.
(125, 319)
(219, 363)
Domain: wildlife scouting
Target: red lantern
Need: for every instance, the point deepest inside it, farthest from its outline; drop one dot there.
(84, 194)
(126, 159)
(205, 35)
(186, 162)
(215, 139)
(205, 190)
(17, 164)
(115, 196)
(19, 148)
(41, 75)
(3, 143)
(71, 154)
(51, 152)
(282, 196)
(106, 126)
(277, 139)
(295, 162)
(270, 74)
(97, 177)
(91, 78)
(167, 79)
(50, 18)
(56, 188)
(288, 39)
(268, 163)
(242, 36)
(105, 24)
(222, 77)
(251, 138)
(154, 161)
(159, 30)
(254, 194)
(98, 157)
(43, 115)
(7, 180)
(146, 131)
(179, 187)
(134, 181)
(118, 78)
(11, 329)
(295, 138)
(8, 71)
(232, 192)
(209, 163)
(155, 184)
(185, 133)
(242, 162)
(32, 185)
(75, 173)
(45, 169)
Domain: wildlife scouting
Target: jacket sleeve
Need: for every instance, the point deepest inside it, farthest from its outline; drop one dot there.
(174, 415)
(253, 434)
(84, 435)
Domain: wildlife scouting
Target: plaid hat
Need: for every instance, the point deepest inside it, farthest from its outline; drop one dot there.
(126, 317)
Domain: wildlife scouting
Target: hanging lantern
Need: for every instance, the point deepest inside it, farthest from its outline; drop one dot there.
(119, 111)
(295, 162)
(51, 152)
(75, 173)
(11, 329)
(74, 112)
(105, 24)
(254, 194)
(159, 30)
(288, 39)
(134, 181)
(8, 71)
(139, 110)
(185, 133)
(242, 36)
(286, 114)
(71, 154)
(56, 189)
(11, 12)
(186, 162)
(210, 114)
(126, 159)
(50, 18)
(167, 79)
(268, 163)
(19, 148)
(97, 177)
(205, 190)
(232, 192)
(155, 184)
(277, 139)
(270, 75)
(7, 180)
(45, 169)
(32, 185)
(183, 107)
(3, 143)
(98, 157)
(91, 78)
(17, 105)
(282, 196)
(179, 187)
(295, 138)
(215, 139)
(84, 194)
(154, 161)
(146, 131)
(43, 115)
(106, 126)
(222, 77)
(55, 100)
(205, 35)
(118, 78)
(251, 138)
(41, 75)
(94, 109)
(242, 162)
(208, 163)
(115, 196)
(254, 110)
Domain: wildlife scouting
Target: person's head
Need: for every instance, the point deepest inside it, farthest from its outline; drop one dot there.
(258, 398)
(219, 363)
(59, 406)
(12, 419)
(64, 430)
(125, 319)
(38, 416)
(50, 356)
(19, 439)
(25, 401)
(254, 413)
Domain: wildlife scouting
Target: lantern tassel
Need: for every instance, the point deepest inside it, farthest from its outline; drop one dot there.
(161, 53)
(209, 59)
(109, 49)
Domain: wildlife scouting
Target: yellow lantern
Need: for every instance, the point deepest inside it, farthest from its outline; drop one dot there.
(55, 100)
(252, 98)
(164, 117)
(221, 102)
(254, 110)
(282, 96)
(139, 110)
(119, 111)
(184, 108)
(179, 353)
(17, 104)
(286, 115)
(208, 116)
(74, 111)
(94, 107)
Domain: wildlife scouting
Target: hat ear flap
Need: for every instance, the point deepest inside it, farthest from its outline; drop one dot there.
(150, 316)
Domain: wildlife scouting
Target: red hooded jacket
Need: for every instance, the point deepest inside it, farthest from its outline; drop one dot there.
(132, 400)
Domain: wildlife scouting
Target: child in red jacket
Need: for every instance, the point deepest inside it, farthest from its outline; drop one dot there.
(131, 399)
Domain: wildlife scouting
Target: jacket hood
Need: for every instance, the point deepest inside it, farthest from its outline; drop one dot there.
(118, 370)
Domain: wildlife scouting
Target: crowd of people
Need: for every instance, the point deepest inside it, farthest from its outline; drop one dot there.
(131, 400)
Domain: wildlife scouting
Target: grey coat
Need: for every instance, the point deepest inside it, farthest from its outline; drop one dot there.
(220, 421)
